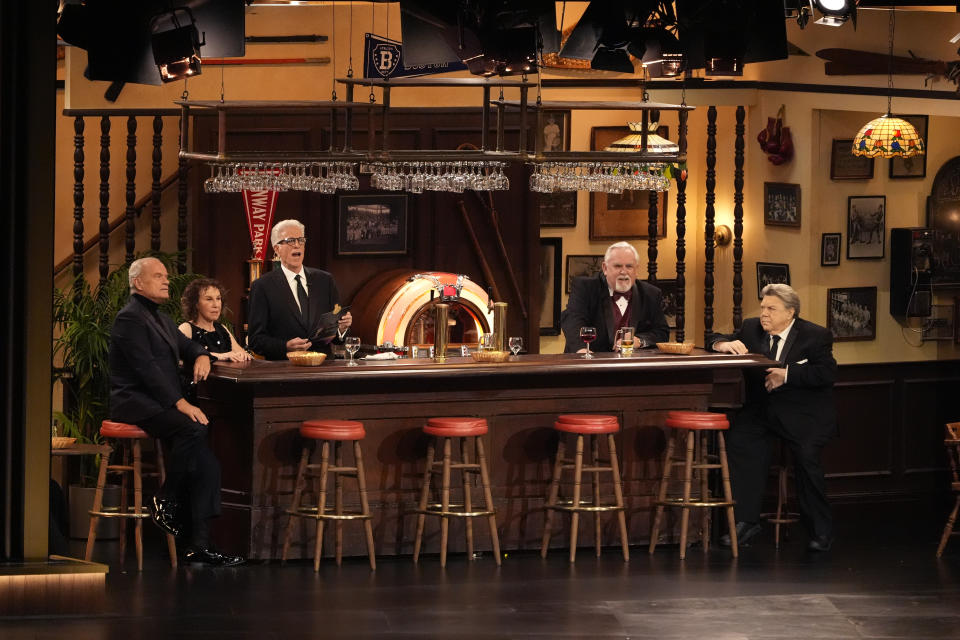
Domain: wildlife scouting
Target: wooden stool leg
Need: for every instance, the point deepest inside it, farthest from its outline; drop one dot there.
(295, 506)
(685, 515)
(488, 498)
(467, 498)
(662, 492)
(781, 502)
(138, 503)
(552, 498)
(727, 494)
(595, 455)
(97, 505)
(124, 489)
(162, 470)
(338, 505)
(424, 496)
(445, 502)
(321, 504)
(703, 457)
(577, 481)
(948, 528)
(364, 504)
(618, 494)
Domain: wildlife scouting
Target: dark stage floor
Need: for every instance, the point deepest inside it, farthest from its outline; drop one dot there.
(881, 580)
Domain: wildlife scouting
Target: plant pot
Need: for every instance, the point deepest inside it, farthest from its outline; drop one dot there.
(81, 502)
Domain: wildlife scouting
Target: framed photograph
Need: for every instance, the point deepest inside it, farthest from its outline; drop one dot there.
(846, 166)
(771, 273)
(555, 134)
(852, 313)
(866, 227)
(550, 265)
(915, 167)
(830, 249)
(371, 225)
(625, 215)
(582, 266)
(668, 301)
(558, 209)
(781, 204)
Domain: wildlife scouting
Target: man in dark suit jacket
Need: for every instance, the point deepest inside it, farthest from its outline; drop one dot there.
(286, 304)
(611, 300)
(145, 353)
(793, 401)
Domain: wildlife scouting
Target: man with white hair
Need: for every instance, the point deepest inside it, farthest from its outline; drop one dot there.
(286, 304)
(145, 353)
(611, 300)
(793, 402)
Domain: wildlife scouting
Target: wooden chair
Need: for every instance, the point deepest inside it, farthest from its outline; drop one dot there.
(952, 442)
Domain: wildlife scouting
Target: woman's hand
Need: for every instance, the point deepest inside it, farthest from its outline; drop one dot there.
(236, 356)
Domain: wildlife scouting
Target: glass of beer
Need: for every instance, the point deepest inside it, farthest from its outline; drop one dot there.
(625, 338)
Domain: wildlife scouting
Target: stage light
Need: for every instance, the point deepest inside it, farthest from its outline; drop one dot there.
(176, 47)
(835, 12)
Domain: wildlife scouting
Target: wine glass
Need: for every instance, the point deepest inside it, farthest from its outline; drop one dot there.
(352, 345)
(516, 344)
(588, 335)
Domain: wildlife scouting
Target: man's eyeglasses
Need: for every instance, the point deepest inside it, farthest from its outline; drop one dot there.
(293, 241)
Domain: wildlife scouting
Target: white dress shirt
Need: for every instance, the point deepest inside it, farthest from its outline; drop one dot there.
(292, 282)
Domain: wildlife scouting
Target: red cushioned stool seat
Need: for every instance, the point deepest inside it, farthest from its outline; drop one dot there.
(592, 426)
(327, 431)
(443, 430)
(110, 429)
(332, 430)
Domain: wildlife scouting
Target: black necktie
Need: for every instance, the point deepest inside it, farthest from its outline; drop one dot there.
(302, 298)
(772, 347)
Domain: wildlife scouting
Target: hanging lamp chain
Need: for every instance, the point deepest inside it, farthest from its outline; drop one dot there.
(350, 44)
(892, 28)
(333, 49)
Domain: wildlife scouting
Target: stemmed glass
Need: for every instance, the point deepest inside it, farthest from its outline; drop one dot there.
(352, 345)
(588, 335)
(516, 344)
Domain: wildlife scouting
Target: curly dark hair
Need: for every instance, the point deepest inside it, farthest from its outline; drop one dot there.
(191, 296)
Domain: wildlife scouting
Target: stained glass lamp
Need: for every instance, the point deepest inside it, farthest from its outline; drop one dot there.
(655, 143)
(888, 137)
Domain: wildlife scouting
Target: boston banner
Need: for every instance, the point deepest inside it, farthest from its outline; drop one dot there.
(383, 58)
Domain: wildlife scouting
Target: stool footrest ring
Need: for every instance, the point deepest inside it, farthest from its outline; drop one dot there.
(456, 514)
(588, 508)
(312, 514)
(695, 502)
(121, 514)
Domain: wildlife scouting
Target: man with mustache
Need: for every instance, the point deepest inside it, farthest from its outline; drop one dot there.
(611, 300)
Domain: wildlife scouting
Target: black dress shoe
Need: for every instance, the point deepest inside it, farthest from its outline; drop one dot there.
(820, 543)
(164, 514)
(745, 531)
(211, 557)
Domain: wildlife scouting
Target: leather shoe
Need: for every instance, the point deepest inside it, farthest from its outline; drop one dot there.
(745, 531)
(164, 514)
(211, 557)
(820, 543)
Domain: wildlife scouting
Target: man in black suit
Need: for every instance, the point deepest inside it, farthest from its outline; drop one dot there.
(793, 401)
(286, 304)
(145, 354)
(611, 300)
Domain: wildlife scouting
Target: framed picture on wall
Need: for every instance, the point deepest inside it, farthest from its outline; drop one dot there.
(558, 209)
(852, 313)
(625, 215)
(866, 227)
(771, 273)
(915, 167)
(373, 224)
(830, 249)
(550, 271)
(781, 204)
(555, 134)
(668, 301)
(582, 266)
(846, 166)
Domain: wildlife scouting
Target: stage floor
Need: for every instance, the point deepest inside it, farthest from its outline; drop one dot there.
(881, 580)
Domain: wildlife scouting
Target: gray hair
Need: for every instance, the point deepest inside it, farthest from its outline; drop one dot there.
(136, 268)
(283, 224)
(621, 245)
(786, 293)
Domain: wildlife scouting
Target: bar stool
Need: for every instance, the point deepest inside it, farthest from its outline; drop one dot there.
(325, 432)
(684, 426)
(443, 430)
(593, 426)
(128, 437)
(782, 515)
(952, 443)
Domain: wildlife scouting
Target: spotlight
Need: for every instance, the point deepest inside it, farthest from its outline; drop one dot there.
(176, 48)
(835, 12)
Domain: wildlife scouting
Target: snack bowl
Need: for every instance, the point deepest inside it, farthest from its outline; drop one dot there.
(61, 442)
(490, 356)
(683, 348)
(306, 358)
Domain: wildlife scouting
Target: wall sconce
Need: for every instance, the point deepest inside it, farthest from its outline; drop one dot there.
(722, 236)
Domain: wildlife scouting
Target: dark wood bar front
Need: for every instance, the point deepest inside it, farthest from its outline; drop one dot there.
(256, 408)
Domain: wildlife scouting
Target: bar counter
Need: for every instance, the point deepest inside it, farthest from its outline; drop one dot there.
(256, 408)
